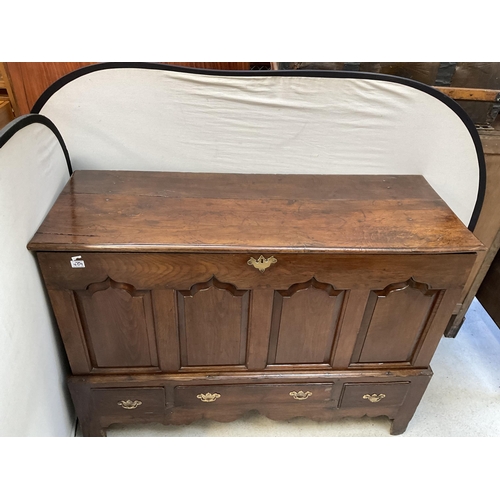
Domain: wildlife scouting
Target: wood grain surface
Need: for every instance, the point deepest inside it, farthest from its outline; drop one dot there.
(156, 271)
(169, 212)
(6, 115)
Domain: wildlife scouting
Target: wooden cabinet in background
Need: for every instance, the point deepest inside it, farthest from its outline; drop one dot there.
(474, 85)
(7, 103)
(489, 291)
(487, 230)
(183, 296)
(487, 282)
(6, 114)
(30, 79)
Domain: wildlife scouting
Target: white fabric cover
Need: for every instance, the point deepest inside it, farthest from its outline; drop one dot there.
(34, 399)
(151, 119)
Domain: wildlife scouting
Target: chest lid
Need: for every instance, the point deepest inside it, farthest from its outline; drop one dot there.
(178, 212)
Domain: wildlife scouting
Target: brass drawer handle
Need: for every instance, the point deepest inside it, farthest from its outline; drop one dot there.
(261, 263)
(374, 398)
(301, 395)
(208, 397)
(130, 405)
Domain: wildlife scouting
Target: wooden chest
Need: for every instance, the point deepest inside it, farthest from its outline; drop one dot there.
(185, 296)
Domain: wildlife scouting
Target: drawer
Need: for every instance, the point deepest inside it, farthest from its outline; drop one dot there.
(373, 394)
(202, 395)
(129, 401)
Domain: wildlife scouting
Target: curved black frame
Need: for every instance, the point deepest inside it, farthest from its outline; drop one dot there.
(296, 73)
(23, 121)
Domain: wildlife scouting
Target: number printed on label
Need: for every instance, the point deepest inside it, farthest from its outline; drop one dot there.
(77, 263)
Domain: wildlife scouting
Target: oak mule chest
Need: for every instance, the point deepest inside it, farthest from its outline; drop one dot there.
(184, 296)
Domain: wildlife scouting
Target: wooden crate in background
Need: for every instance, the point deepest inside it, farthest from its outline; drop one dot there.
(482, 107)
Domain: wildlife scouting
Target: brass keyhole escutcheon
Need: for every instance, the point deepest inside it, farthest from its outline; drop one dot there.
(374, 398)
(262, 263)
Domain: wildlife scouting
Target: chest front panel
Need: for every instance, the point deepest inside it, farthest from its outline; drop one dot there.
(185, 312)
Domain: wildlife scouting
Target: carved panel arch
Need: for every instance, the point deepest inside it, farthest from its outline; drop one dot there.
(118, 324)
(398, 287)
(326, 287)
(395, 323)
(305, 321)
(213, 324)
(213, 282)
(109, 283)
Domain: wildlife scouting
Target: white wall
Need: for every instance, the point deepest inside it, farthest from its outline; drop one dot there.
(34, 400)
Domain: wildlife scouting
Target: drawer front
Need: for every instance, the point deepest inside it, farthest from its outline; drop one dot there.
(218, 395)
(129, 402)
(373, 394)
